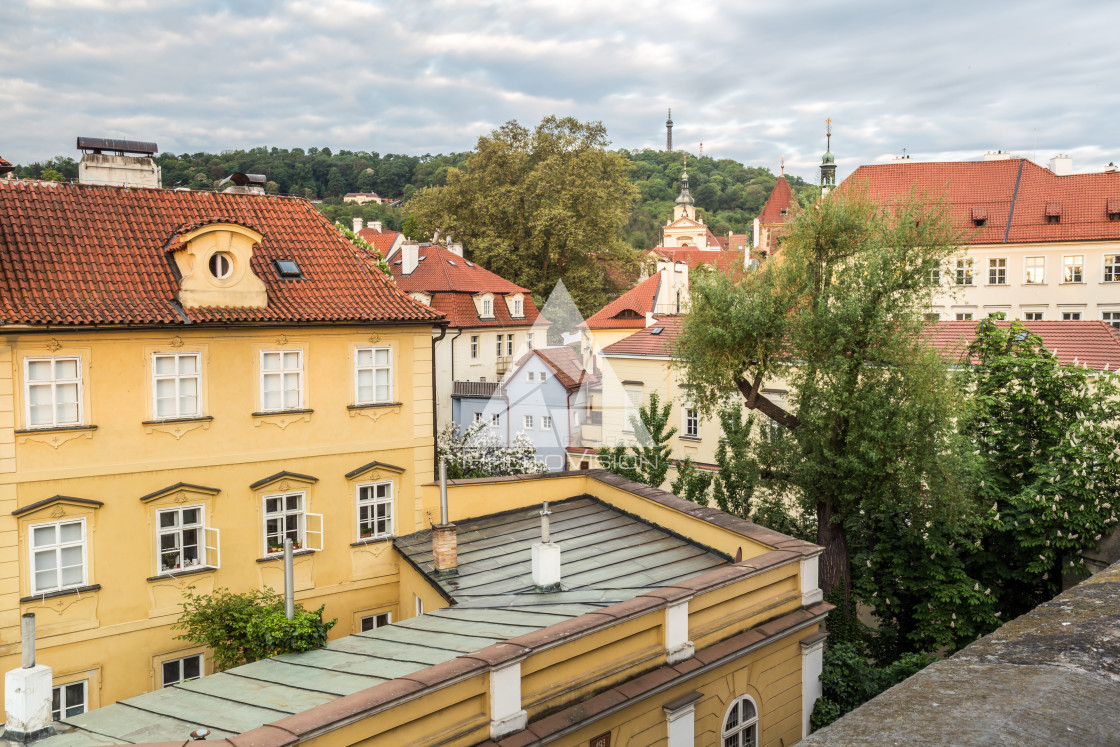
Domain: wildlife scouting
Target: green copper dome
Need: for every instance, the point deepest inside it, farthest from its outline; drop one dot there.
(685, 198)
(828, 157)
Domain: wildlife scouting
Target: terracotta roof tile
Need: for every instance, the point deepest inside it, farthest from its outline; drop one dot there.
(986, 190)
(781, 197)
(724, 261)
(620, 313)
(461, 311)
(1095, 343)
(649, 342)
(382, 241)
(78, 254)
(734, 241)
(565, 363)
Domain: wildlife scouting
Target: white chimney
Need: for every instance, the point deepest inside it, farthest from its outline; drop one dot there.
(1110, 167)
(27, 692)
(546, 557)
(454, 248)
(357, 225)
(1061, 165)
(410, 257)
(996, 155)
(375, 225)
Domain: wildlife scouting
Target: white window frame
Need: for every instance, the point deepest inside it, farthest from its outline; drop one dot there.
(518, 307)
(373, 502)
(997, 271)
(1068, 267)
(963, 274)
(477, 417)
(419, 604)
(474, 346)
(373, 367)
(964, 316)
(60, 692)
(1111, 269)
(546, 422)
(1111, 316)
(935, 275)
(376, 620)
(304, 523)
(1028, 314)
(179, 379)
(495, 418)
(509, 344)
(527, 422)
(1027, 271)
(282, 372)
(57, 546)
(498, 349)
(742, 725)
(631, 406)
(690, 418)
(209, 540)
(54, 383)
(529, 340)
(1078, 312)
(180, 662)
(488, 308)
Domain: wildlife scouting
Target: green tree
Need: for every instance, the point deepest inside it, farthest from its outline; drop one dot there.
(691, 482)
(537, 206)
(648, 461)
(241, 628)
(838, 316)
(734, 484)
(52, 175)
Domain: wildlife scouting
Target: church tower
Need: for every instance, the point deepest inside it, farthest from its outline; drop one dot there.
(683, 207)
(828, 162)
(669, 132)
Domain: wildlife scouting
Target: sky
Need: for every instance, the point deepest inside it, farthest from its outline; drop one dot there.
(752, 81)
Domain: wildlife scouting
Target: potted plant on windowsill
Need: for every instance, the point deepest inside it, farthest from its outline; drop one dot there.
(168, 561)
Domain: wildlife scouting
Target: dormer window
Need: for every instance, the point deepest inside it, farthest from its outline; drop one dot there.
(1113, 209)
(1053, 212)
(221, 265)
(487, 307)
(518, 307)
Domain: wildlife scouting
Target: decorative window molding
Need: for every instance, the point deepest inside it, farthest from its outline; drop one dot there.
(57, 555)
(740, 724)
(375, 510)
(52, 388)
(281, 380)
(176, 386)
(373, 376)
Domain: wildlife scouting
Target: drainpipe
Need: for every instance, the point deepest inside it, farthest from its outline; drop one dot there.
(435, 399)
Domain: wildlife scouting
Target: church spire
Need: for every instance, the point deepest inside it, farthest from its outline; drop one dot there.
(684, 199)
(669, 132)
(828, 161)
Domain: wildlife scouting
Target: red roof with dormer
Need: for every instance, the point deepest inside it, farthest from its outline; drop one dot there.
(658, 339)
(1005, 201)
(628, 311)
(781, 198)
(73, 254)
(1093, 343)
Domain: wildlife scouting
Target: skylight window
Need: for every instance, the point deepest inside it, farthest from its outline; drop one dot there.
(469, 263)
(288, 268)
(657, 330)
(452, 263)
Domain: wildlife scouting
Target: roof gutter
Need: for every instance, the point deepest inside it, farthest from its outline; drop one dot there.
(1014, 196)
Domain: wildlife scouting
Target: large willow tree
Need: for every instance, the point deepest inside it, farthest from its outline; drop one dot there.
(537, 206)
(835, 316)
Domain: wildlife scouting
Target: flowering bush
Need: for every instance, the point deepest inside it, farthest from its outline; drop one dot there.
(478, 452)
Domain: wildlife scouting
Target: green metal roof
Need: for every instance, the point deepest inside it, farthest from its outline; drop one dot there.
(607, 557)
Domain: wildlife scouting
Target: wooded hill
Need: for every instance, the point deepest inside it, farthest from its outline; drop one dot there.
(729, 194)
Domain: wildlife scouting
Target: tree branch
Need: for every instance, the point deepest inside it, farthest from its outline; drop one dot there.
(756, 401)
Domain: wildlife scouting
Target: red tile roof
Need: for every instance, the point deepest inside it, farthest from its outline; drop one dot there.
(620, 313)
(78, 254)
(998, 191)
(453, 281)
(382, 241)
(5, 166)
(781, 197)
(1096, 343)
(648, 341)
(564, 362)
(735, 241)
(694, 257)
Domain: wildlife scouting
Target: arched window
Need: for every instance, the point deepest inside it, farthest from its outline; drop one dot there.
(740, 726)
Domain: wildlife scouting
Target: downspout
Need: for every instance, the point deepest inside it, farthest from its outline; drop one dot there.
(435, 402)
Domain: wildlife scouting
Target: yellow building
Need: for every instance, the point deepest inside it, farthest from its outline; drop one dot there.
(665, 623)
(186, 379)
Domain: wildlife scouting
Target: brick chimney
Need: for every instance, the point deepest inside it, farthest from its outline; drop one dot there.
(445, 541)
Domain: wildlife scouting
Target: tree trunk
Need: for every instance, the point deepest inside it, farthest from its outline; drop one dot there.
(835, 565)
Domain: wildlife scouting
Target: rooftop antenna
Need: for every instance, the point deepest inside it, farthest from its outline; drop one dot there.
(828, 133)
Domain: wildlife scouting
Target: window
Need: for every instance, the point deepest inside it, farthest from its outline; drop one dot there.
(478, 417)
(221, 265)
(498, 349)
(509, 344)
(964, 316)
(281, 380)
(375, 510)
(740, 726)
(176, 385)
(1112, 317)
(1072, 267)
(691, 422)
(997, 271)
(1036, 270)
(495, 418)
(932, 316)
(182, 670)
(529, 340)
(474, 346)
(68, 700)
(964, 272)
(373, 622)
(546, 422)
(181, 535)
(373, 376)
(1033, 316)
(1071, 316)
(54, 392)
(58, 556)
(518, 307)
(631, 405)
(1111, 268)
(487, 307)
(528, 422)
(419, 605)
(532, 375)
(286, 517)
(935, 276)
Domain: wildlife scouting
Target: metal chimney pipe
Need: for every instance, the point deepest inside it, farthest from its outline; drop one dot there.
(27, 639)
(289, 581)
(443, 491)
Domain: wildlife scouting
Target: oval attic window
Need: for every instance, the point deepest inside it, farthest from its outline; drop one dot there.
(221, 265)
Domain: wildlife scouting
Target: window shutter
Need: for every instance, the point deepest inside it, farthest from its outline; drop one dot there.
(314, 527)
(212, 544)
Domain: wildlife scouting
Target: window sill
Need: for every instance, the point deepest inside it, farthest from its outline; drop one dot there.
(274, 413)
(171, 575)
(373, 540)
(691, 438)
(280, 555)
(372, 405)
(56, 429)
(60, 593)
(1033, 285)
(1072, 282)
(193, 419)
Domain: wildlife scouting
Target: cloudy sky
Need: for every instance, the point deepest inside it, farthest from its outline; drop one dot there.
(751, 80)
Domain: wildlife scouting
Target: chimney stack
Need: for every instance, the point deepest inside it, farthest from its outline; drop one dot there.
(27, 693)
(1061, 165)
(445, 543)
(410, 257)
(375, 225)
(357, 225)
(546, 557)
